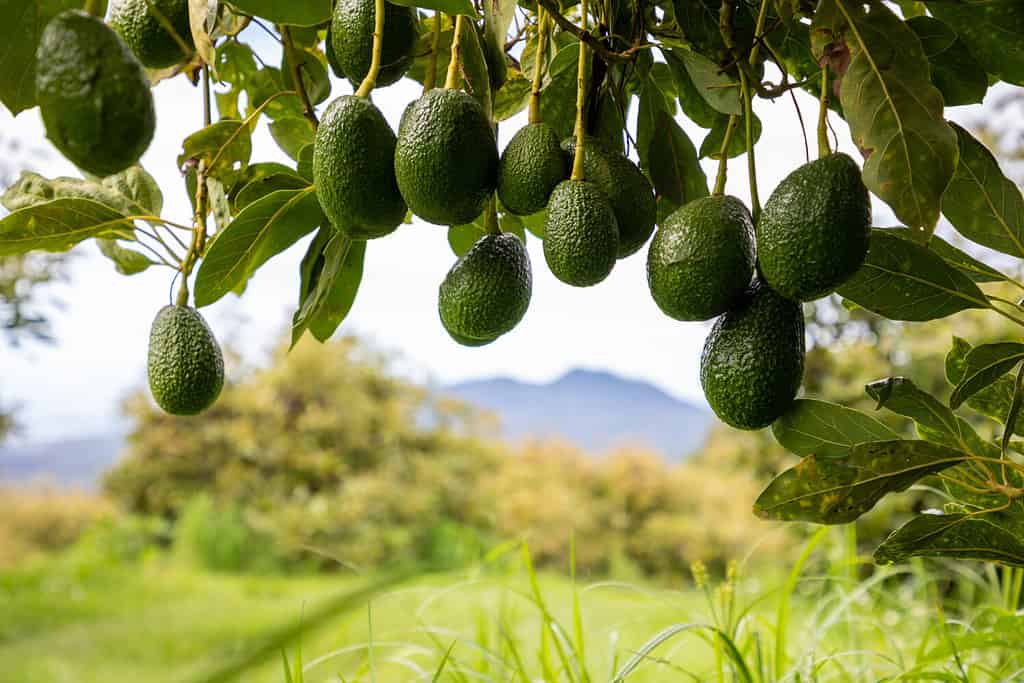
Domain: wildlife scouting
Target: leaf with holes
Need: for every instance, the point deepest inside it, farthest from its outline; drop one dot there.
(839, 490)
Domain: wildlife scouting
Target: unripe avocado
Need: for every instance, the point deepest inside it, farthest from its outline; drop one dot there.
(702, 258)
(813, 234)
(139, 23)
(529, 168)
(753, 359)
(581, 237)
(446, 159)
(626, 187)
(93, 94)
(487, 291)
(351, 40)
(186, 368)
(354, 169)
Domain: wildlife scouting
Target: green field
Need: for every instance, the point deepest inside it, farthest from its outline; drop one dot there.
(69, 621)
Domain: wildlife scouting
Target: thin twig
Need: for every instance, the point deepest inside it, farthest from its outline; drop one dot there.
(296, 70)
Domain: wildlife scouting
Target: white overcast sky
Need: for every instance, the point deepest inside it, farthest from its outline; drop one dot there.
(73, 388)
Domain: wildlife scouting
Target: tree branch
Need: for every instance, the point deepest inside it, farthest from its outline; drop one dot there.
(586, 38)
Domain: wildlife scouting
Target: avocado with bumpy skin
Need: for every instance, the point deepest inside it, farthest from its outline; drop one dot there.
(487, 291)
(813, 233)
(702, 258)
(143, 24)
(351, 40)
(93, 94)
(185, 368)
(530, 168)
(446, 158)
(354, 169)
(753, 359)
(626, 188)
(581, 237)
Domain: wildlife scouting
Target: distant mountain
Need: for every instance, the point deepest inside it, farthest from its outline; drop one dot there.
(75, 462)
(595, 410)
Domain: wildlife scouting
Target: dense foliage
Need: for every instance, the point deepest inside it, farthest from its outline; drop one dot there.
(888, 69)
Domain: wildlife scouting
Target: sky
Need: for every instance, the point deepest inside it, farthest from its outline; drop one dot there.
(74, 387)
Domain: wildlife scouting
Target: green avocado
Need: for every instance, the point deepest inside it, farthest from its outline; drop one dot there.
(813, 234)
(487, 291)
(702, 258)
(446, 159)
(93, 94)
(354, 169)
(186, 368)
(625, 186)
(143, 26)
(529, 168)
(581, 236)
(753, 359)
(351, 40)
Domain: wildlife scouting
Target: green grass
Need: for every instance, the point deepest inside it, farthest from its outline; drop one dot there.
(68, 621)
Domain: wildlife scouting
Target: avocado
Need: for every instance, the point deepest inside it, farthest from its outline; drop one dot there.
(625, 186)
(93, 94)
(186, 368)
(143, 26)
(446, 158)
(702, 258)
(813, 234)
(354, 169)
(753, 359)
(487, 291)
(581, 236)
(529, 168)
(351, 40)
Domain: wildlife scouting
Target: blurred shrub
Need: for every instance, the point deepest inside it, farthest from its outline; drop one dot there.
(217, 537)
(41, 519)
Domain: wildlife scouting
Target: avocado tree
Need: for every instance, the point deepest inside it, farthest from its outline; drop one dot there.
(585, 179)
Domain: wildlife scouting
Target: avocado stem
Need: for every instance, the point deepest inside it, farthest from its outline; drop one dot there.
(435, 45)
(378, 45)
(581, 99)
(94, 8)
(748, 129)
(452, 80)
(723, 156)
(491, 219)
(823, 147)
(538, 60)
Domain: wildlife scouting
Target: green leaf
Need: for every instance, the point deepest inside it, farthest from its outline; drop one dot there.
(24, 21)
(895, 115)
(989, 537)
(314, 75)
(718, 89)
(127, 261)
(261, 230)
(130, 192)
(955, 72)
(984, 365)
(711, 147)
(476, 78)
(566, 59)
(1013, 413)
(453, 7)
(934, 420)
(225, 146)
(262, 186)
(839, 490)
(994, 400)
(498, 15)
(333, 288)
(674, 168)
(691, 101)
(653, 104)
(959, 259)
(511, 98)
(993, 31)
(305, 163)
(462, 237)
(904, 280)
(58, 225)
(983, 204)
(813, 427)
(292, 134)
(292, 12)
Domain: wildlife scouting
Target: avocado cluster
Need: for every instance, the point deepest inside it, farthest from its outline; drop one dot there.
(811, 237)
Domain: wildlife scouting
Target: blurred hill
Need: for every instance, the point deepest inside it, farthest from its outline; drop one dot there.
(595, 410)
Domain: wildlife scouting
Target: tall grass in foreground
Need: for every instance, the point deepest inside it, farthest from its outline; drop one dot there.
(907, 623)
